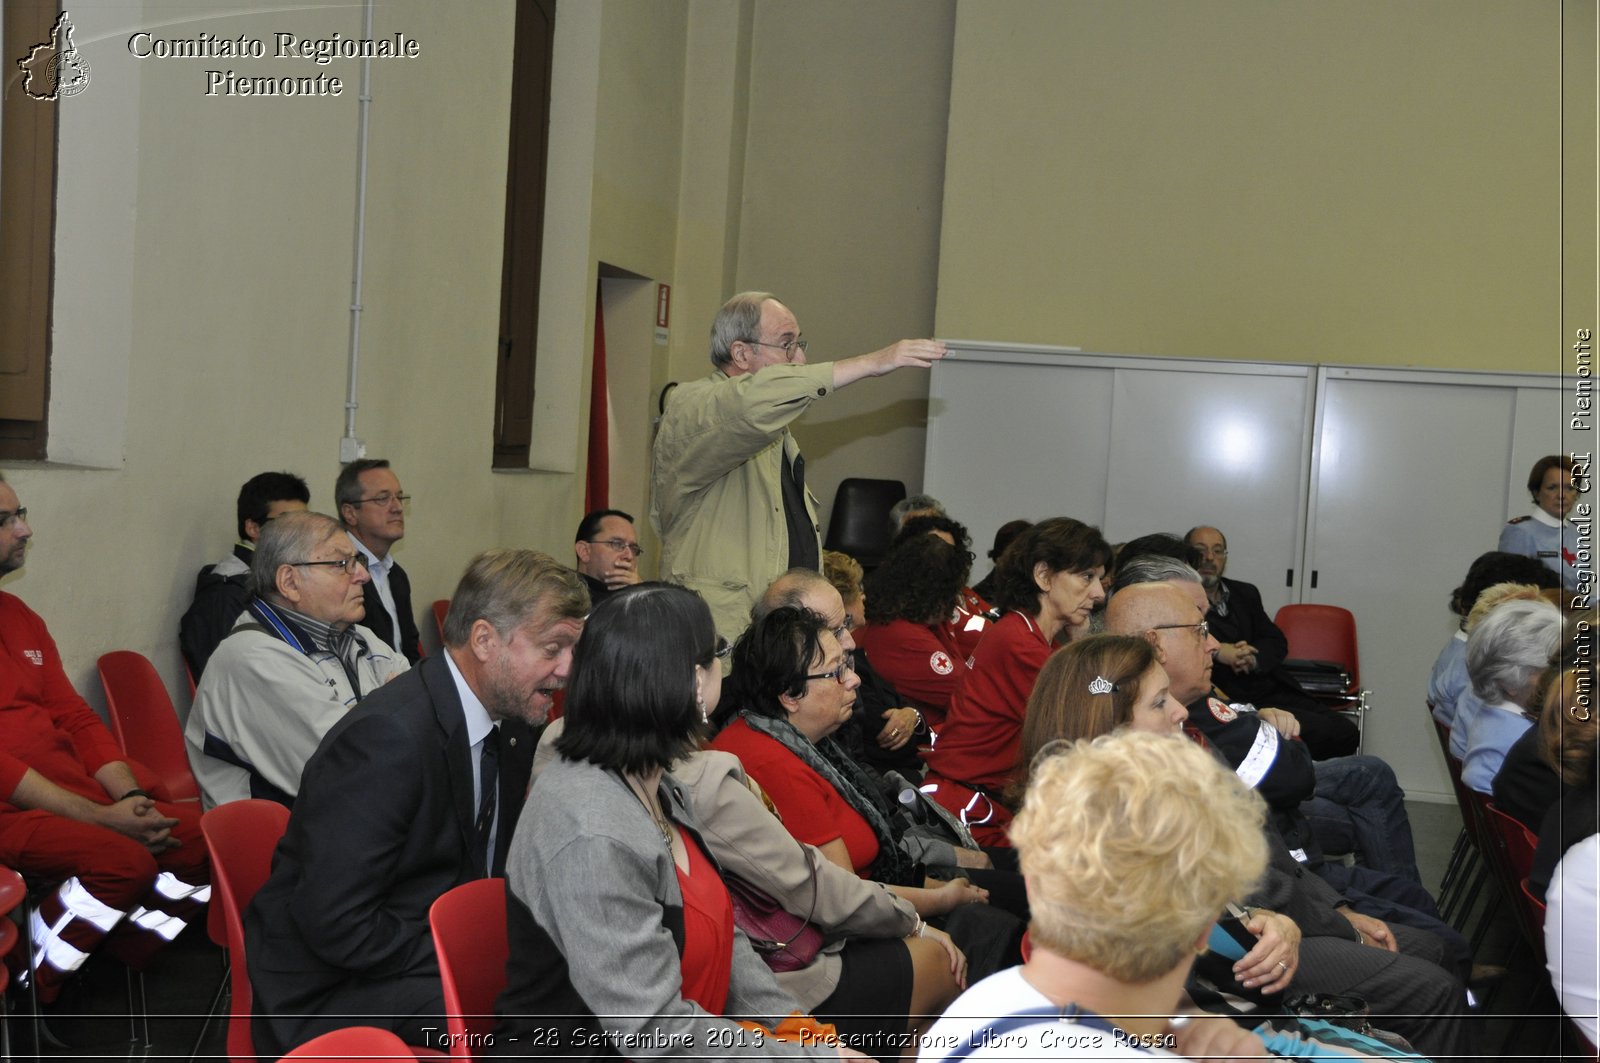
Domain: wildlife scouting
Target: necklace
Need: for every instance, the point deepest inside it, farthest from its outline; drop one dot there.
(652, 807)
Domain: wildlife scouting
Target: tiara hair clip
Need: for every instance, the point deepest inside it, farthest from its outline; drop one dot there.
(1101, 685)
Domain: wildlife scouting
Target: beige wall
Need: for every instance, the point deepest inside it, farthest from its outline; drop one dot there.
(843, 180)
(1350, 181)
(1295, 184)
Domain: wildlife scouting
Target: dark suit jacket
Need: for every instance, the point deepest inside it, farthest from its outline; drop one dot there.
(218, 601)
(1247, 619)
(382, 827)
(378, 617)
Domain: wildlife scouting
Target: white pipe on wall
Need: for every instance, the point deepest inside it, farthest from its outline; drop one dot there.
(351, 448)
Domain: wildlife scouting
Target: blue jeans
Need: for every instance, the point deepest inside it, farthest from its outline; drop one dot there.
(1359, 807)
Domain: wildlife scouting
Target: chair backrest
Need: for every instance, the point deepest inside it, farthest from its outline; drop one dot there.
(1518, 840)
(12, 892)
(352, 1043)
(859, 525)
(145, 723)
(441, 609)
(469, 935)
(241, 837)
(1322, 633)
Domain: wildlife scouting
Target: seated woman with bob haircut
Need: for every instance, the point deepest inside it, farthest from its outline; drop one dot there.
(622, 932)
(1131, 845)
(1047, 582)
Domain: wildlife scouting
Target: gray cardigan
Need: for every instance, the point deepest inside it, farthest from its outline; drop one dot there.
(594, 894)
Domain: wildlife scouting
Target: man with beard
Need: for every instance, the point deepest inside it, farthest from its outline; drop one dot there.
(414, 792)
(1251, 649)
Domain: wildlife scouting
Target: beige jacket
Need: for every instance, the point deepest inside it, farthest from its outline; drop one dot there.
(748, 840)
(716, 487)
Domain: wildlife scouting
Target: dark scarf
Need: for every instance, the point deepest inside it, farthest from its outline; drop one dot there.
(851, 782)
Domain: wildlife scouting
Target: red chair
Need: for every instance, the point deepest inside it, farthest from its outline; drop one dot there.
(469, 934)
(441, 609)
(1323, 658)
(13, 891)
(241, 836)
(1514, 845)
(352, 1043)
(145, 723)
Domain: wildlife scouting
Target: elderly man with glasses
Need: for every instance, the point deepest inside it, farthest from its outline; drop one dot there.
(294, 664)
(729, 495)
(608, 552)
(373, 509)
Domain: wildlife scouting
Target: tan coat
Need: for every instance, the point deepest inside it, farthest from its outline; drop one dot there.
(716, 483)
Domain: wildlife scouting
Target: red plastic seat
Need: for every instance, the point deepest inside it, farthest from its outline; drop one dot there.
(241, 836)
(352, 1043)
(441, 609)
(469, 934)
(145, 723)
(1322, 633)
(12, 893)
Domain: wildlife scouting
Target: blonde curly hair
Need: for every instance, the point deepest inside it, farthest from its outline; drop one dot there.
(1132, 844)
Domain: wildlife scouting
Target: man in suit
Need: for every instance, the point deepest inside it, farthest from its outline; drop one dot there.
(222, 590)
(608, 551)
(414, 792)
(1251, 649)
(373, 509)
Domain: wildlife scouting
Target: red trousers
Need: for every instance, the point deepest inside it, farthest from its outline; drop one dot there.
(109, 888)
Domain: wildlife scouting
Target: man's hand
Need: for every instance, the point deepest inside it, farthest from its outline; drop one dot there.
(1373, 932)
(1240, 656)
(907, 354)
(898, 727)
(139, 819)
(1283, 720)
(1271, 964)
(618, 578)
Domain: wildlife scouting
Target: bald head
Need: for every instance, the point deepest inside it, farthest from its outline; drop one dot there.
(806, 588)
(1169, 616)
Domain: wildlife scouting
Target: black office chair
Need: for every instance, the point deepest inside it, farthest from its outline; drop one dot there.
(860, 522)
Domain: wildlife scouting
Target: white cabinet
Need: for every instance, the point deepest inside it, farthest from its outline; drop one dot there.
(1380, 484)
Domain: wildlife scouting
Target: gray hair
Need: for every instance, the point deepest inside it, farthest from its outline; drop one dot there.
(284, 540)
(347, 488)
(788, 591)
(1509, 649)
(912, 504)
(508, 588)
(1154, 568)
(739, 319)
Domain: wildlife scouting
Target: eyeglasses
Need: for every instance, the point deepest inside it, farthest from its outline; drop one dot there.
(837, 674)
(1202, 629)
(342, 564)
(723, 648)
(1212, 551)
(384, 500)
(847, 624)
(619, 545)
(15, 516)
(788, 349)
